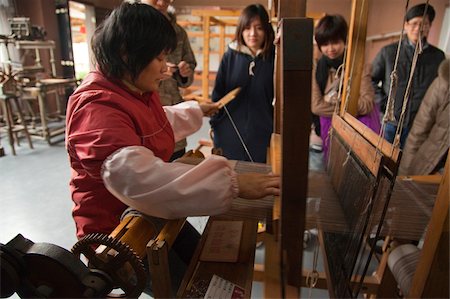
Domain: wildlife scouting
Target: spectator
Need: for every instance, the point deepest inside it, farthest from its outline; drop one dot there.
(249, 64)
(331, 35)
(428, 142)
(426, 69)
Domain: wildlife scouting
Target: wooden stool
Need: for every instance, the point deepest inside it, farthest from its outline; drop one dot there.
(11, 127)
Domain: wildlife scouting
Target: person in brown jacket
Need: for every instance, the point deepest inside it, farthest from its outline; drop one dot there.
(181, 64)
(331, 36)
(428, 142)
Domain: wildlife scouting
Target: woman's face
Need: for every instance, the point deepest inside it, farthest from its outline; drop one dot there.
(152, 74)
(333, 49)
(161, 5)
(254, 35)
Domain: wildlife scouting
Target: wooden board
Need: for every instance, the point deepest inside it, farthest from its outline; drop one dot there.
(228, 97)
(197, 277)
(222, 242)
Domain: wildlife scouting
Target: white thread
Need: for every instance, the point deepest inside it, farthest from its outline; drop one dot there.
(237, 132)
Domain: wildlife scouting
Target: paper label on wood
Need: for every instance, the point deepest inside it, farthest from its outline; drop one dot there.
(220, 288)
(223, 242)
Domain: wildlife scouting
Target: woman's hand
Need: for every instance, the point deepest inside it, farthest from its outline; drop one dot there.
(257, 185)
(171, 69)
(209, 108)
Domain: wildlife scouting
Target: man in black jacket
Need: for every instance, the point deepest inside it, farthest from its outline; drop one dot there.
(418, 17)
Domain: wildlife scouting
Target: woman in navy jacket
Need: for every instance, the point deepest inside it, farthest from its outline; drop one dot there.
(248, 63)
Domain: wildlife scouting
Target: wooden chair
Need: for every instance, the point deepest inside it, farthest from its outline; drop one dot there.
(9, 98)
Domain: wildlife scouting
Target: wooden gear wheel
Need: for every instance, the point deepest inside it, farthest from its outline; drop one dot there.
(123, 265)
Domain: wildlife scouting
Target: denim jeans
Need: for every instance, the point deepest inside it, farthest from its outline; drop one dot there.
(389, 134)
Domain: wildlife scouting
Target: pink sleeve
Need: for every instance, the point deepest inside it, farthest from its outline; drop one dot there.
(185, 118)
(170, 190)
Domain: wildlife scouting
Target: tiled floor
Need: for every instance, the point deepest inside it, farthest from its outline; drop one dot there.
(35, 199)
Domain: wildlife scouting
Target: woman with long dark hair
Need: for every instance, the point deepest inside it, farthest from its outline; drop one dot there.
(244, 132)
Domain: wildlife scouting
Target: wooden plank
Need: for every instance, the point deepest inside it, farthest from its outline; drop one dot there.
(135, 231)
(325, 255)
(363, 149)
(431, 276)
(426, 179)
(205, 70)
(158, 261)
(289, 9)
(283, 9)
(216, 13)
(296, 38)
(211, 35)
(272, 284)
(354, 64)
(199, 273)
(222, 242)
(170, 231)
(376, 140)
(275, 160)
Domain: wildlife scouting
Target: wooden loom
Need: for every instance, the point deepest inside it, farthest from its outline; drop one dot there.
(282, 271)
(374, 156)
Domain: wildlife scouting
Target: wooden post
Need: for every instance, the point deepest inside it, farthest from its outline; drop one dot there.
(158, 261)
(208, 16)
(354, 64)
(205, 71)
(296, 60)
(222, 40)
(284, 9)
(431, 277)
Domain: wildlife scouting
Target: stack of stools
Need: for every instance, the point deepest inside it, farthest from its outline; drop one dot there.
(8, 99)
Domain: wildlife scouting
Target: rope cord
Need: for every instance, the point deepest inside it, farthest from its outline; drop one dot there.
(313, 276)
(417, 51)
(389, 112)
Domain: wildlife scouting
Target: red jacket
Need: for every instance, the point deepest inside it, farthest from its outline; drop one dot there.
(103, 116)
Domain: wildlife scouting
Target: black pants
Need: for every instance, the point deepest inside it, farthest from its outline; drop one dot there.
(316, 122)
(177, 154)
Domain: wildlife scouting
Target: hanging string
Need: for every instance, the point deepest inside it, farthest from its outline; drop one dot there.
(238, 134)
(339, 75)
(348, 87)
(417, 51)
(313, 276)
(389, 111)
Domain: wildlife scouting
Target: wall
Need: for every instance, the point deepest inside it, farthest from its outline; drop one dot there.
(385, 16)
(221, 3)
(42, 13)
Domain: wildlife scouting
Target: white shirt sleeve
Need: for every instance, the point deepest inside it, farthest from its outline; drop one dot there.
(185, 118)
(170, 190)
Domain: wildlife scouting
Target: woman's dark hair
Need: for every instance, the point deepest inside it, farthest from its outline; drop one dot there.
(130, 38)
(247, 16)
(330, 28)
